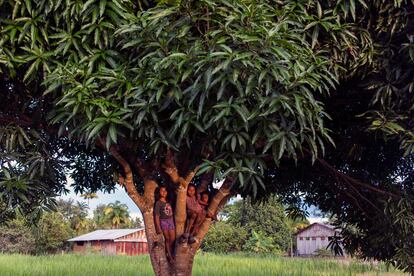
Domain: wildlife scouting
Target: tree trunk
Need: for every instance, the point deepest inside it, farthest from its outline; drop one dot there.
(184, 253)
(157, 254)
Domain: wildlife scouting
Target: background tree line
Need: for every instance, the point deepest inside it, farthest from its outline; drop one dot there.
(50, 233)
(260, 227)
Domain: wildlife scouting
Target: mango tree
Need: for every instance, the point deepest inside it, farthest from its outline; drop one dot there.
(143, 94)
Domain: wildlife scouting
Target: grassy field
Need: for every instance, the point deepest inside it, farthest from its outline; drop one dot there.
(206, 264)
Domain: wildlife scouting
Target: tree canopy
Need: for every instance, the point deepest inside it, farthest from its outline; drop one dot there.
(307, 99)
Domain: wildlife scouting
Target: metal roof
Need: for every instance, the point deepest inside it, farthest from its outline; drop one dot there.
(329, 226)
(111, 234)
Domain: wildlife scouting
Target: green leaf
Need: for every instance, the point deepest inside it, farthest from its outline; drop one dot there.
(233, 143)
(95, 130)
(113, 133)
(102, 5)
(352, 8)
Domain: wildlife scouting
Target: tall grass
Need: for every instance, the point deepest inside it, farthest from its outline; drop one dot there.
(205, 264)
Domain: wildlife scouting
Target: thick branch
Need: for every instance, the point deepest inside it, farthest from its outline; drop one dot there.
(141, 168)
(150, 186)
(170, 167)
(225, 200)
(223, 192)
(129, 179)
(349, 179)
(180, 204)
(206, 180)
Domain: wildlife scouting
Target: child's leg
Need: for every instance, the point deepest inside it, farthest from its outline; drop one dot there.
(190, 221)
(199, 220)
(167, 244)
(171, 239)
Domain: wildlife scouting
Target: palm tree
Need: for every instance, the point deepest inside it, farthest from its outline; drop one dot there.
(79, 220)
(117, 214)
(88, 196)
(99, 218)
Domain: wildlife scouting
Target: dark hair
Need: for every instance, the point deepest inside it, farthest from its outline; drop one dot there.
(195, 188)
(157, 192)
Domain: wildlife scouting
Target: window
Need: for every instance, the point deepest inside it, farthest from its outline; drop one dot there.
(314, 238)
(322, 238)
(307, 238)
(301, 238)
(80, 243)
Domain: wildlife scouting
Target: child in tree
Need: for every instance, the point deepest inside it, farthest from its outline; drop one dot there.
(195, 213)
(203, 201)
(164, 221)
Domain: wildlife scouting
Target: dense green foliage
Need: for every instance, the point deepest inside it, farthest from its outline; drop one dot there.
(162, 84)
(207, 264)
(267, 218)
(259, 90)
(259, 227)
(16, 237)
(117, 214)
(48, 235)
(51, 233)
(224, 238)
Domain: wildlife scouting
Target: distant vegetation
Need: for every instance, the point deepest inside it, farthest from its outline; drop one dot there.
(253, 227)
(70, 219)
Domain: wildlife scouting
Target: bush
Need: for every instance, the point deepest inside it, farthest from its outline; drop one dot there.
(324, 253)
(51, 233)
(16, 237)
(267, 217)
(260, 243)
(223, 238)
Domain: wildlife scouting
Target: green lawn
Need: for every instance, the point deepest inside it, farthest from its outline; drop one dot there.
(206, 264)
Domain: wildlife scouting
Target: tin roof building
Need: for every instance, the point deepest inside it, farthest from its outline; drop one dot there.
(112, 242)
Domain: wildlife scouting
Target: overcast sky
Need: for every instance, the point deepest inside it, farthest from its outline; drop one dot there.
(105, 198)
(122, 196)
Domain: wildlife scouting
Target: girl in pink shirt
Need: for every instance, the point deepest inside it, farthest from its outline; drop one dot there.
(195, 214)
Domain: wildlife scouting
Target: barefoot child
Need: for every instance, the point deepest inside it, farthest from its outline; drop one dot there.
(203, 201)
(164, 221)
(195, 213)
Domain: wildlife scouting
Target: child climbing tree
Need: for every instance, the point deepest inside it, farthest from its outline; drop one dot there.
(164, 221)
(195, 214)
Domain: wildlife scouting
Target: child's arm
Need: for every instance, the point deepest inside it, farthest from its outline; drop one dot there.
(157, 224)
(157, 218)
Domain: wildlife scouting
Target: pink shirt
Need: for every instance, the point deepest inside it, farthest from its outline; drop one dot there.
(193, 205)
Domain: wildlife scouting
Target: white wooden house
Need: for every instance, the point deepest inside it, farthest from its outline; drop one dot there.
(314, 237)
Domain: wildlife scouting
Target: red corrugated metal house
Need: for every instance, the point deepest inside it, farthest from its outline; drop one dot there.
(112, 242)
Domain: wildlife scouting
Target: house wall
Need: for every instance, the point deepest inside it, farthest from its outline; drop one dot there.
(131, 248)
(312, 239)
(116, 247)
(104, 247)
(137, 235)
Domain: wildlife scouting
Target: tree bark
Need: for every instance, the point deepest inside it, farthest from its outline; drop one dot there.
(184, 252)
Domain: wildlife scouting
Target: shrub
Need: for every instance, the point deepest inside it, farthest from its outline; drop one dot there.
(223, 238)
